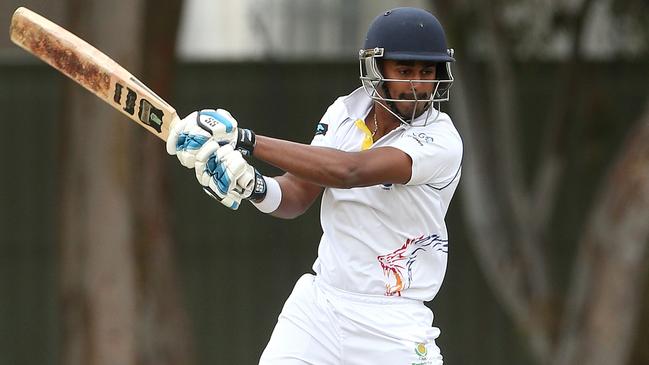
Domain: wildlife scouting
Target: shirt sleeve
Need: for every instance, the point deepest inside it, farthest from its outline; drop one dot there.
(436, 155)
(324, 131)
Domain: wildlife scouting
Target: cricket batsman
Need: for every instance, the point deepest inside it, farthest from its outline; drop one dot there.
(386, 161)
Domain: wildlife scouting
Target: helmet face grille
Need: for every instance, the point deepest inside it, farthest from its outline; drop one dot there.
(373, 82)
(406, 34)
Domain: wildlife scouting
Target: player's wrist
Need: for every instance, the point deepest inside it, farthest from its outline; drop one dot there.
(245, 141)
(272, 196)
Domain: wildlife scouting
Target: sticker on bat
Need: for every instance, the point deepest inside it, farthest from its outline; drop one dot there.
(148, 114)
(151, 115)
(117, 98)
(131, 97)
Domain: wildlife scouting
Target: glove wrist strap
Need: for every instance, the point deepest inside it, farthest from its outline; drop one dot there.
(260, 188)
(272, 198)
(246, 141)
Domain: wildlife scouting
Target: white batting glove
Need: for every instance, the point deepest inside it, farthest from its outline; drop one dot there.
(224, 173)
(223, 128)
(190, 134)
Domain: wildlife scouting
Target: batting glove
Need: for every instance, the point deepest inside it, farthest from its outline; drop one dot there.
(189, 134)
(224, 173)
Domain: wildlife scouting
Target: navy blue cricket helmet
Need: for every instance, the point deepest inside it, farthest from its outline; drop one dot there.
(408, 34)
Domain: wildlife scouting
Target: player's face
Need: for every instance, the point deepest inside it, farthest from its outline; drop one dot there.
(410, 70)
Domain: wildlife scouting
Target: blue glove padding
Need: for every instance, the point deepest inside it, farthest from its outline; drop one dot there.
(189, 134)
(224, 173)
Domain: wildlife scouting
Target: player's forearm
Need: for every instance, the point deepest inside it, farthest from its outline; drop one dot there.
(297, 196)
(319, 165)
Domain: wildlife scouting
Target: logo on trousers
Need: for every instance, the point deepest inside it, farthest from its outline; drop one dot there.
(421, 350)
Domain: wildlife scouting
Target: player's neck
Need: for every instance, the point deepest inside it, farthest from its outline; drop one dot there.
(385, 122)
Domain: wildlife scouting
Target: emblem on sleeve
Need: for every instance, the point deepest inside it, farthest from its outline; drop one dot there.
(321, 129)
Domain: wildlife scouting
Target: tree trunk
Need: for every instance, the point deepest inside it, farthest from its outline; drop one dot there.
(606, 292)
(98, 287)
(121, 301)
(164, 337)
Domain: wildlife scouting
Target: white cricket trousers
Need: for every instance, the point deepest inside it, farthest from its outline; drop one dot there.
(321, 325)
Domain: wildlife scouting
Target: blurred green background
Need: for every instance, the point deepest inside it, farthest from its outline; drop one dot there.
(235, 269)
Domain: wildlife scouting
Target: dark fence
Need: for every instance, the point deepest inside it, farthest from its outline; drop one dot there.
(238, 267)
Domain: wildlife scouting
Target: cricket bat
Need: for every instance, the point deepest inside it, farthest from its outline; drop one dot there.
(93, 70)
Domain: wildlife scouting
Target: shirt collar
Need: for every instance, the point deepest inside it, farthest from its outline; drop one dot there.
(357, 104)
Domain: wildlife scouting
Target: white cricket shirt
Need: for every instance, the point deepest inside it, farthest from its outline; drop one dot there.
(388, 239)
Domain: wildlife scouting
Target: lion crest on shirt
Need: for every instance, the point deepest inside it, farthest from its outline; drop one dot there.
(398, 265)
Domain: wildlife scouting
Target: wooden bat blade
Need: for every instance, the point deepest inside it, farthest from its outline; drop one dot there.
(92, 69)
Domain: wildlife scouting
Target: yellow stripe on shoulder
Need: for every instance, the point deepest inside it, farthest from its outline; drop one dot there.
(367, 140)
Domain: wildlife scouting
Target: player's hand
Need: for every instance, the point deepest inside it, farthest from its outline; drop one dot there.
(189, 134)
(224, 173)
(223, 128)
